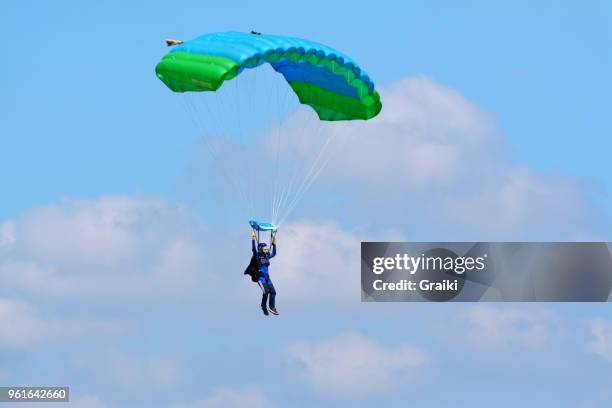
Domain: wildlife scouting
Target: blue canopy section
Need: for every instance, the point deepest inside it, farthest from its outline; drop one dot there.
(262, 226)
(241, 47)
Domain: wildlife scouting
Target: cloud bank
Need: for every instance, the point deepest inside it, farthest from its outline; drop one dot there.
(437, 165)
(601, 343)
(351, 365)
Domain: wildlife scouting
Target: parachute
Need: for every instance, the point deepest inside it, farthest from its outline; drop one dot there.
(330, 83)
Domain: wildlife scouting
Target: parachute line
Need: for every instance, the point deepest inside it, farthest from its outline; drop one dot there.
(263, 132)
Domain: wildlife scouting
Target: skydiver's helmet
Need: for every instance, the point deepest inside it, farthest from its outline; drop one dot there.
(263, 248)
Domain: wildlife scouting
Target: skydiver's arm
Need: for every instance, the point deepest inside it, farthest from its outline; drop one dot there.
(273, 253)
(253, 247)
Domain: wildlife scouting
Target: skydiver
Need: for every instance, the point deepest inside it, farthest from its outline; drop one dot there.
(262, 254)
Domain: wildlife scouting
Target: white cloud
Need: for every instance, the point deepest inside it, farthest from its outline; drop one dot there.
(131, 371)
(424, 137)
(435, 163)
(317, 259)
(83, 401)
(351, 365)
(87, 401)
(7, 234)
(149, 250)
(601, 344)
(22, 326)
(432, 162)
(113, 247)
(500, 327)
(252, 397)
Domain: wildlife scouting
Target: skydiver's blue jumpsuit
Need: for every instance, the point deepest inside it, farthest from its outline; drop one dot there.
(265, 283)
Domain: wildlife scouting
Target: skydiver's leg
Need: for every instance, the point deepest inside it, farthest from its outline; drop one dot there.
(272, 293)
(264, 296)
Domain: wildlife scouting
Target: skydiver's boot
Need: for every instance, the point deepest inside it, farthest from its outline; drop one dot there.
(265, 310)
(274, 311)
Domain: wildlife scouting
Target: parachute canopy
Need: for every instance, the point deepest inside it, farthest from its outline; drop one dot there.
(321, 77)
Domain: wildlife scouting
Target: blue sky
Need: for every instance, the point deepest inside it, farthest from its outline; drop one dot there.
(116, 277)
(91, 99)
